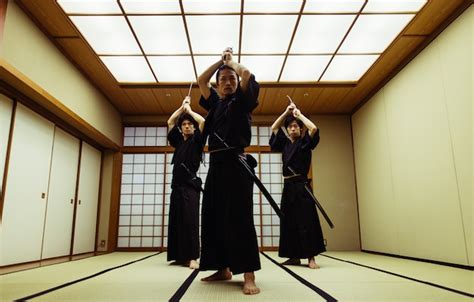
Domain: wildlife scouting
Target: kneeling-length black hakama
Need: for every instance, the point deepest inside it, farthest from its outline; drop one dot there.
(228, 232)
(183, 224)
(300, 230)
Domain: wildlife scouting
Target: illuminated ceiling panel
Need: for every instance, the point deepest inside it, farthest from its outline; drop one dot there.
(304, 68)
(107, 34)
(267, 33)
(348, 68)
(275, 39)
(90, 6)
(212, 34)
(129, 69)
(333, 6)
(373, 33)
(173, 69)
(389, 6)
(203, 62)
(265, 68)
(161, 35)
(275, 6)
(211, 6)
(151, 6)
(320, 33)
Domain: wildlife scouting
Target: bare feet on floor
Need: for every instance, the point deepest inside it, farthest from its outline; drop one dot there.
(250, 288)
(292, 261)
(312, 264)
(221, 275)
(193, 264)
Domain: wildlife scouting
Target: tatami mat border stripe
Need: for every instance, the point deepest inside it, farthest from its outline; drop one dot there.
(184, 287)
(320, 292)
(460, 266)
(405, 277)
(44, 292)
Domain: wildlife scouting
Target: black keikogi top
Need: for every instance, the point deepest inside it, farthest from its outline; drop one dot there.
(188, 152)
(230, 117)
(297, 155)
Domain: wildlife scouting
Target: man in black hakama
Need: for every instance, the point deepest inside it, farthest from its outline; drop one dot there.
(300, 231)
(184, 135)
(229, 240)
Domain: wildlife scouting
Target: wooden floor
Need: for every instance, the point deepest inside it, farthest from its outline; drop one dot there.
(344, 276)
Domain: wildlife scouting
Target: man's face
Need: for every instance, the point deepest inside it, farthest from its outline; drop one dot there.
(227, 82)
(294, 130)
(187, 128)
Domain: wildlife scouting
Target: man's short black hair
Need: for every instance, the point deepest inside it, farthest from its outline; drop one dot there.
(222, 68)
(186, 117)
(290, 118)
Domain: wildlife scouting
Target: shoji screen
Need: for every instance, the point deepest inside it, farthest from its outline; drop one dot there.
(142, 199)
(146, 189)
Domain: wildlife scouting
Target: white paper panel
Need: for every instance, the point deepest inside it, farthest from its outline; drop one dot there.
(267, 33)
(90, 6)
(212, 34)
(304, 68)
(348, 68)
(151, 6)
(373, 33)
(161, 35)
(107, 34)
(265, 68)
(173, 68)
(320, 33)
(129, 69)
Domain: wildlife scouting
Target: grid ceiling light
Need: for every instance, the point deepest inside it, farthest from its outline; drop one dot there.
(348, 67)
(211, 6)
(173, 68)
(128, 69)
(265, 68)
(304, 68)
(169, 41)
(150, 6)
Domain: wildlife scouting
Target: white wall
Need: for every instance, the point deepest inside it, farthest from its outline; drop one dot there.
(334, 182)
(413, 154)
(26, 48)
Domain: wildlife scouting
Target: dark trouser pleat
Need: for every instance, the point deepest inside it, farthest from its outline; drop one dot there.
(183, 224)
(300, 231)
(228, 232)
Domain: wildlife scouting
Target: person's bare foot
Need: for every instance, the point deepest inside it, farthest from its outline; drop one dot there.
(312, 264)
(250, 288)
(292, 261)
(220, 275)
(193, 264)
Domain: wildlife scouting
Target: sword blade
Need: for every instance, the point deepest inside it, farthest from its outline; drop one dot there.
(262, 188)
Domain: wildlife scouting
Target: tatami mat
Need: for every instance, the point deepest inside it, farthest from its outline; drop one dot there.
(25, 283)
(348, 282)
(455, 278)
(153, 279)
(275, 285)
(150, 280)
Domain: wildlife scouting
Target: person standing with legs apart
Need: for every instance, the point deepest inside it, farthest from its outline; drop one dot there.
(229, 240)
(184, 135)
(300, 231)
